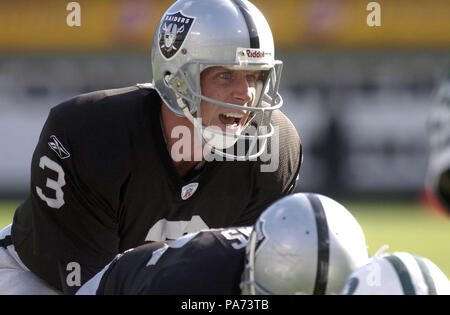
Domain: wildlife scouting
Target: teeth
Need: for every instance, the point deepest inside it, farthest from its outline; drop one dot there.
(233, 115)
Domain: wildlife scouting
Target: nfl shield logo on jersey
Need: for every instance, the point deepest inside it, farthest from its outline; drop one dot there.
(172, 32)
(188, 190)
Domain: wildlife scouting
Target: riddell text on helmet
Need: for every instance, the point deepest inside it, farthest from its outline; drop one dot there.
(255, 53)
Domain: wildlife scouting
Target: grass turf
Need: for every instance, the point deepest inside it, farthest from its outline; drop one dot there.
(410, 227)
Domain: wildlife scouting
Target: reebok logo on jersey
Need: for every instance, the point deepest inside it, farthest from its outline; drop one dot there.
(56, 146)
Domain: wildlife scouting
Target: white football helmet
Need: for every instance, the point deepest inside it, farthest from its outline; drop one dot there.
(399, 273)
(303, 244)
(196, 34)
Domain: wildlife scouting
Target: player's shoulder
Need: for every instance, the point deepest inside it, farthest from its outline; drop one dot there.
(286, 139)
(284, 149)
(115, 95)
(286, 127)
(91, 122)
(106, 102)
(280, 163)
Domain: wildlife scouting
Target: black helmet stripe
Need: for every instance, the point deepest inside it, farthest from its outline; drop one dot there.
(323, 255)
(426, 275)
(252, 30)
(403, 275)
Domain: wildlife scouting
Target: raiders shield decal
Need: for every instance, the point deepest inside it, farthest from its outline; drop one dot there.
(172, 32)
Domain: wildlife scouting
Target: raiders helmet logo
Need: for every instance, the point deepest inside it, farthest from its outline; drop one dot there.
(172, 33)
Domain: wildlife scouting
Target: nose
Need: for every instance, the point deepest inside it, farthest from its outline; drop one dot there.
(242, 91)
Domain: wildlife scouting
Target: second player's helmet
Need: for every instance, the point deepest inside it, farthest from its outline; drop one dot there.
(196, 34)
(399, 273)
(303, 244)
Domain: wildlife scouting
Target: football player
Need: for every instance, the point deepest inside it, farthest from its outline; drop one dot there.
(398, 273)
(437, 185)
(203, 146)
(302, 244)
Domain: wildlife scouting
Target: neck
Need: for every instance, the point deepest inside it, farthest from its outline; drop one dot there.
(183, 143)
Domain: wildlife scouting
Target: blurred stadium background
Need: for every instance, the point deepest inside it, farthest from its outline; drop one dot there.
(358, 95)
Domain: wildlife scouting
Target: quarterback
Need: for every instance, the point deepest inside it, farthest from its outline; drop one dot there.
(301, 244)
(193, 150)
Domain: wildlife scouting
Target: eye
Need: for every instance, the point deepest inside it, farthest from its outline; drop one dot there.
(251, 77)
(225, 75)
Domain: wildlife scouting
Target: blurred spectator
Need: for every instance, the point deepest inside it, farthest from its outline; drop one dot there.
(437, 184)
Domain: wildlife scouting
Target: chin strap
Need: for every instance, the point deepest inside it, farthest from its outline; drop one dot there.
(381, 250)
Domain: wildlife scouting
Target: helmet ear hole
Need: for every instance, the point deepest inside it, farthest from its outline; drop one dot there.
(166, 78)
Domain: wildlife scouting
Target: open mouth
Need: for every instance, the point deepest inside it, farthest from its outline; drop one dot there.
(231, 120)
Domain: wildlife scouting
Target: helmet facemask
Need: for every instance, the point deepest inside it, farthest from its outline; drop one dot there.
(248, 284)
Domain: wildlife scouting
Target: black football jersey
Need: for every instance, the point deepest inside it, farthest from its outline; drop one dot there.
(103, 181)
(202, 263)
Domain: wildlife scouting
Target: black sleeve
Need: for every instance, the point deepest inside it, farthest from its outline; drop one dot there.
(73, 196)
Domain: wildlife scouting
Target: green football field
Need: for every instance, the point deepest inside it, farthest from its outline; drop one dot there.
(409, 227)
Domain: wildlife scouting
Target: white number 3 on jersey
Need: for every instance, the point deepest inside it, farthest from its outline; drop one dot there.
(57, 202)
